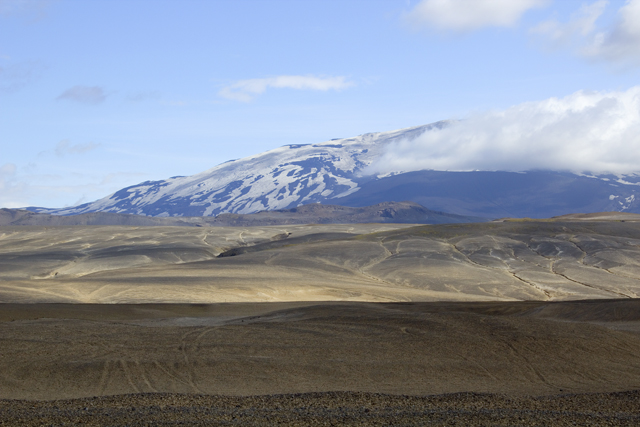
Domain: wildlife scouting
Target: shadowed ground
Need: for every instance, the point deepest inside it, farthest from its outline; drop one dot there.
(343, 351)
(334, 408)
(70, 351)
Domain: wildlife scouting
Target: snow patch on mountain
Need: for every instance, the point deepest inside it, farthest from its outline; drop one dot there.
(339, 172)
(282, 178)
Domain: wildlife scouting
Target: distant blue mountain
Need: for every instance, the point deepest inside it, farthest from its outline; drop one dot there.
(536, 194)
(331, 173)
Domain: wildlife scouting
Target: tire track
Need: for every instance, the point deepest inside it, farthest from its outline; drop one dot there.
(184, 348)
(529, 365)
(127, 374)
(144, 377)
(170, 374)
(104, 378)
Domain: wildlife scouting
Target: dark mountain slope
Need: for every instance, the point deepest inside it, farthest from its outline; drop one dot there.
(387, 212)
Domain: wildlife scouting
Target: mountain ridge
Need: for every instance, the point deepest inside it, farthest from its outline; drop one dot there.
(386, 212)
(335, 172)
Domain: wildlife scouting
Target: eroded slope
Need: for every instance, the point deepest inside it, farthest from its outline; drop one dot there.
(490, 261)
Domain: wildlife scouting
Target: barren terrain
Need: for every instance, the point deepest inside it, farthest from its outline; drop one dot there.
(500, 261)
(513, 350)
(503, 323)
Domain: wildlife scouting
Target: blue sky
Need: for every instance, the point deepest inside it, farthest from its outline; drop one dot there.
(97, 95)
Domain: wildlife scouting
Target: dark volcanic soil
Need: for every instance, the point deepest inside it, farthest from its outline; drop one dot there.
(325, 409)
(323, 364)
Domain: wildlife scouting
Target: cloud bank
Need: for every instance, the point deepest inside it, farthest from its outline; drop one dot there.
(84, 94)
(246, 90)
(469, 15)
(619, 43)
(597, 132)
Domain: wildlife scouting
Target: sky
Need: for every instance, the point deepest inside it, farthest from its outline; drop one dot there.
(102, 94)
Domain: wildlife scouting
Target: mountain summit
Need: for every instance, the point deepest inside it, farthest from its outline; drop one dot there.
(332, 173)
(282, 178)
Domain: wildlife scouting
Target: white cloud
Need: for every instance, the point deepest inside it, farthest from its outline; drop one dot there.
(246, 90)
(622, 42)
(581, 24)
(469, 15)
(595, 132)
(84, 94)
(143, 96)
(619, 43)
(64, 147)
(17, 75)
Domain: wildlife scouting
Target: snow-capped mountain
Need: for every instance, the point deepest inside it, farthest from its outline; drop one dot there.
(277, 179)
(331, 172)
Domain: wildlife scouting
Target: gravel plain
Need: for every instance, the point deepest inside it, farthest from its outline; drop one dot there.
(442, 363)
(329, 409)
